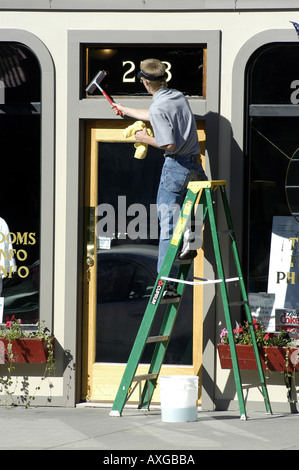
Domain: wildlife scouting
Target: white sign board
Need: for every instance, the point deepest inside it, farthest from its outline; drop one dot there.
(283, 277)
(261, 307)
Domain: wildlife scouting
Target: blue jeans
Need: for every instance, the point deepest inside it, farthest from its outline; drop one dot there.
(175, 176)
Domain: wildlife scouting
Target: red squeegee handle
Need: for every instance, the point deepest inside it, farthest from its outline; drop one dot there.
(111, 101)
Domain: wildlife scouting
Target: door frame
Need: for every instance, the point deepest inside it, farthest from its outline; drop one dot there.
(80, 109)
(100, 381)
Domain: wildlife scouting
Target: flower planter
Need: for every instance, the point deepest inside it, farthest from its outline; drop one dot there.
(25, 350)
(273, 358)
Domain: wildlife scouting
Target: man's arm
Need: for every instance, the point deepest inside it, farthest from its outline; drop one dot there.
(143, 137)
(139, 114)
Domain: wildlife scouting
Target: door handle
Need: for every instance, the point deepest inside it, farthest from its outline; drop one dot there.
(90, 239)
(89, 262)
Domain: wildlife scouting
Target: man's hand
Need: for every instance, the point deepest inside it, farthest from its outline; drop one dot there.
(138, 114)
(118, 108)
(144, 138)
(141, 136)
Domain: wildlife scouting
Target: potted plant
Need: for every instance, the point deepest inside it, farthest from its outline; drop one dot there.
(277, 351)
(19, 346)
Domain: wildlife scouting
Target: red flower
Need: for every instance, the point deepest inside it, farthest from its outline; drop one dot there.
(238, 330)
(269, 335)
(9, 322)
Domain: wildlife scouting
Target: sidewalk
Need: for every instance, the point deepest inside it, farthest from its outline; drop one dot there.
(91, 428)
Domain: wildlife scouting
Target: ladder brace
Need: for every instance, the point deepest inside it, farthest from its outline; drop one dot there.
(138, 379)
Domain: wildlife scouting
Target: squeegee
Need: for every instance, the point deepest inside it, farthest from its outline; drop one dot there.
(95, 83)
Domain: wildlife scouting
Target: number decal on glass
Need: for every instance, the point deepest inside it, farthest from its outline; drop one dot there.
(168, 67)
(131, 69)
(129, 75)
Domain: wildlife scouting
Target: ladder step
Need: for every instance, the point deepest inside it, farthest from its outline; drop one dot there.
(183, 261)
(170, 301)
(237, 303)
(139, 378)
(223, 232)
(156, 339)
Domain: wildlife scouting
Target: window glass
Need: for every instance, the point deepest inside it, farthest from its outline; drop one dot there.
(273, 168)
(122, 65)
(274, 75)
(127, 256)
(20, 186)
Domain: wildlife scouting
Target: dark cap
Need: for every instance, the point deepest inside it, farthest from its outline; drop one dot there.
(149, 77)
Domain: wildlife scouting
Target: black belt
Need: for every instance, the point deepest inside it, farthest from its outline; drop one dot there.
(186, 158)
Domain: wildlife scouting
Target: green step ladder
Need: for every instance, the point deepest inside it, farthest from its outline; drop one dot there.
(198, 192)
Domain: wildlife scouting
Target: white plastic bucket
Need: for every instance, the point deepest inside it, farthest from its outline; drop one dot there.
(178, 395)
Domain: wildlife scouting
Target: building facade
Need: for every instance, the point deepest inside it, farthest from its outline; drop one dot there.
(67, 164)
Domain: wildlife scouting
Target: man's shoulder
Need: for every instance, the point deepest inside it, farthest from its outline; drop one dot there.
(167, 96)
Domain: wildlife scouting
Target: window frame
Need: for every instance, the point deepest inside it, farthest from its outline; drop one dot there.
(47, 168)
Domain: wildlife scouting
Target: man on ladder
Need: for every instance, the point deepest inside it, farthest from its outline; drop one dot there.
(175, 132)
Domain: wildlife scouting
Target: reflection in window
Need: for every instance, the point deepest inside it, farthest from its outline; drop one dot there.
(20, 186)
(127, 269)
(273, 143)
(125, 279)
(119, 281)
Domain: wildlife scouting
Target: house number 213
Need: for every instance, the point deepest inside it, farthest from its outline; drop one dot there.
(129, 74)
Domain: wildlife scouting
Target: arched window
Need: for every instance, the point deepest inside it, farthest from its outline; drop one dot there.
(20, 201)
(271, 154)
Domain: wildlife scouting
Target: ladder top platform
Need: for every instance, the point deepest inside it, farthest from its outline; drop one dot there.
(196, 186)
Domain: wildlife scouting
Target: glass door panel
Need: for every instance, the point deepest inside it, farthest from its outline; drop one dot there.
(120, 269)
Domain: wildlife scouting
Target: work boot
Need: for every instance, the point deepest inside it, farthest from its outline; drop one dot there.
(191, 243)
(170, 292)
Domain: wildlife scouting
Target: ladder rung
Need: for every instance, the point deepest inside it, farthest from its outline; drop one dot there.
(138, 378)
(223, 232)
(292, 187)
(183, 261)
(259, 384)
(237, 303)
(156, 339)
(170, 300)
